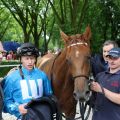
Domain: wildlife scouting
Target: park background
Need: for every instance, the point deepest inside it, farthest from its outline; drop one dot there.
(40, 21)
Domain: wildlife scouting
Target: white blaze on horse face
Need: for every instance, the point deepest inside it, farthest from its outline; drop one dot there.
(77, 53)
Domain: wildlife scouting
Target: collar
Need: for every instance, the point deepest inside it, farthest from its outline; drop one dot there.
(27, 72)
(108, 72)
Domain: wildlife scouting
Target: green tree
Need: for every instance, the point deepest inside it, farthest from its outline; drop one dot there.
(41, 20)
(20, 13)
(69, 14)
(103, 17)
(4, 22)
(33, 17)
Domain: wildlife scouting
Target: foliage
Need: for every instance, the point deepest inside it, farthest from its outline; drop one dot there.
(104, 20)
(5, 70)
(4, 22)
(9, 28)
(40, 21)
(69, 14)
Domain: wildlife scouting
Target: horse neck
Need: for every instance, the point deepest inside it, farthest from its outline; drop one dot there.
(61, 72)
(62, 58)
(60, 63)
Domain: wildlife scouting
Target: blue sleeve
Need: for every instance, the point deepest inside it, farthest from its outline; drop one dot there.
(9, 105)
(47, 85)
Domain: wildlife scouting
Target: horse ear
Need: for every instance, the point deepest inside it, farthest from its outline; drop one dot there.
(87, 33)
(64, 36)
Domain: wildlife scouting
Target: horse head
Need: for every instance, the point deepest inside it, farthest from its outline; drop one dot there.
(78, 59)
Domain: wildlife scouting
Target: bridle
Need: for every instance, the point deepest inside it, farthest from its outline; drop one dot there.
(74, 44)
(85, 76)
(82, 106)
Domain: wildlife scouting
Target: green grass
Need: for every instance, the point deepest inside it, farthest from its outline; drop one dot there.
(5, 70)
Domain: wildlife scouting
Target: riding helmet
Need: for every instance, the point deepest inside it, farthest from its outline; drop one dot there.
(27, 49)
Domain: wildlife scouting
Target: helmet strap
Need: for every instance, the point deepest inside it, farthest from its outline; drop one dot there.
(21, 72)
(20, 69)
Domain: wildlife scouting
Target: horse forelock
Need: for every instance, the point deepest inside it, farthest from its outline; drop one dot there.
(77, 39)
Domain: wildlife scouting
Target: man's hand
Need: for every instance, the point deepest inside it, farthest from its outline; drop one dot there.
(95, 86)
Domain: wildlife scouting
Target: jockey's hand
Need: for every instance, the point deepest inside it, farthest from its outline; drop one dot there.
(22, 109)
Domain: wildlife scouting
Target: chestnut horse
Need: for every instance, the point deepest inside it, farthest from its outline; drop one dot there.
(69, 71)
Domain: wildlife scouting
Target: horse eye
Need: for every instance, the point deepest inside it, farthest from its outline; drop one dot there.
(68, 61)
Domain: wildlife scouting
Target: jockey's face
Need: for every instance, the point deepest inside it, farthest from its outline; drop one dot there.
(28, 62)
(106, 49)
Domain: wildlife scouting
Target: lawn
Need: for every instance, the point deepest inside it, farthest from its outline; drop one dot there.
(5, 66)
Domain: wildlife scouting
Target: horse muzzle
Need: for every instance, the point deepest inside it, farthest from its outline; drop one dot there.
(82, 96)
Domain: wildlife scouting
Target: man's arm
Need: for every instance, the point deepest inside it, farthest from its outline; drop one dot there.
(114, 97)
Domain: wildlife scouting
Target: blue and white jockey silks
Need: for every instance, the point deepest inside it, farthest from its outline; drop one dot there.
(19, 91)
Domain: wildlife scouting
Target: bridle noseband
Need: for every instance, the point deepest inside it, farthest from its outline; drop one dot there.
(85, 76)
(74, 44)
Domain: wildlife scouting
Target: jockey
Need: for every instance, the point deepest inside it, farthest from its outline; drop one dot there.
(25, 84)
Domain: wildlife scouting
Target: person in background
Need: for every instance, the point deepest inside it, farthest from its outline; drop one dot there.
(25, 83)
(107, 88)
(99, 62)
(10, 55)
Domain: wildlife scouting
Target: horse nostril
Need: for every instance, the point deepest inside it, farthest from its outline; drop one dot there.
(74, 94)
